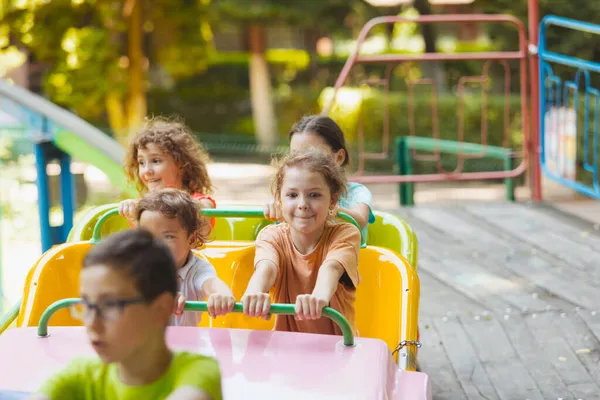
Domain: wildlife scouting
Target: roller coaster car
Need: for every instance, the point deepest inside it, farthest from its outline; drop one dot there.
(244, 222)
(256, 362)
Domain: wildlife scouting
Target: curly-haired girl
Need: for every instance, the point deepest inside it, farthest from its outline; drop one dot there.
(165, 155)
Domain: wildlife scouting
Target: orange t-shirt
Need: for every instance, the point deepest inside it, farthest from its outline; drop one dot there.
(297, 273)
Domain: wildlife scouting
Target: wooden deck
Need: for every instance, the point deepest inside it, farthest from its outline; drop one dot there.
(510, 302)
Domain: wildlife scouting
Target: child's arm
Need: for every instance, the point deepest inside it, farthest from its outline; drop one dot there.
(309, 306)
(360, 212)
(256, 300)
(220, 297)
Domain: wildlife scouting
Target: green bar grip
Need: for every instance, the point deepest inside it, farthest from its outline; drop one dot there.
(216, 212)
(202, 306)
(96, 232)
(232, 213)
(42, 330)
(7, 319)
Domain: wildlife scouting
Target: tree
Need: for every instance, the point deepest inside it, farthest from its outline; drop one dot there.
(255, 15)
(563, 41)
(102, 54)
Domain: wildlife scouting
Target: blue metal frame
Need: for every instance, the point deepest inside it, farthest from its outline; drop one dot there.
(550, 89)
(46, 152)
(41, 132)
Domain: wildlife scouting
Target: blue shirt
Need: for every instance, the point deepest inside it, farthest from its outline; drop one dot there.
(357, 193)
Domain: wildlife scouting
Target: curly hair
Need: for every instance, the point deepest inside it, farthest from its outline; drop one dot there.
(174, 138)
(315, 160)
(175, 203)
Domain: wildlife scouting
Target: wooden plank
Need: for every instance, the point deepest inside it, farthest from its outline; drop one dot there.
(439, 300)
(507, 373)
(543, 270)
(482, 268)
(573, 228)
(474, 282)
(558, 239)
(531, 353)
(582, 341)
(467, 367)
(555, 275)
(434, 362)
(557, 351)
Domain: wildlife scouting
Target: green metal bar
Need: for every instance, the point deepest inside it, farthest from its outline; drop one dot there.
(233, 213)
(450, 146)
(406, 143)
(509, 183)
(409, 187)
(400, 145)
(287, 309)
(202, 306)
(42, 330)
(96, 233)
(217, 212)
(7, 319)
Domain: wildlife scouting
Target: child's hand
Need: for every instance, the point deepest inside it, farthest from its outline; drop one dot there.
(220, 304)
(179, 304)
(309, 307)
(272, 212)
(127, 209)
(257, 305)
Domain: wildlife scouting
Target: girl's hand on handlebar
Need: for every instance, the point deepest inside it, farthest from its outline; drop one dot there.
(128, 208)
(309, 307)
(257, 305)
(272, 212)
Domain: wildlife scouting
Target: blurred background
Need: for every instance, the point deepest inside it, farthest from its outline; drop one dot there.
(240, 73)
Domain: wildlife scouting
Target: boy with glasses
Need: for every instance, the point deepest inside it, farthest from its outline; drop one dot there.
(128, 286)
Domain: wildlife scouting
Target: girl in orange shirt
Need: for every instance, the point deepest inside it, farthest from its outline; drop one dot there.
(307, 260)
(165, 155)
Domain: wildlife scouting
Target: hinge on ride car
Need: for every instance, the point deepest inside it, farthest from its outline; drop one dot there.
(406, 343)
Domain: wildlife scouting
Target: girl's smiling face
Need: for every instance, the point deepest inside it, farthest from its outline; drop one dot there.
(158, 169)
(306, 200)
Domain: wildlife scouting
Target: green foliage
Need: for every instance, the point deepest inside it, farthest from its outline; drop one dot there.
(84, 44)
(330, 16)
(564, 41)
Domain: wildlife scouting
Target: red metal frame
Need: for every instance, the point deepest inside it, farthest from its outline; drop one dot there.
(536, 174)
(394, 59)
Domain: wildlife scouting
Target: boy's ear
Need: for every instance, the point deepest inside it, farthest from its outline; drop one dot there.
(193, 239)
(163, 306)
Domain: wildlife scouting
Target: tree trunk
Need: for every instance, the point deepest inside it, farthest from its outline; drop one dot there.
(263, 111)
(136, 106)
(126, 111)
(432, 69)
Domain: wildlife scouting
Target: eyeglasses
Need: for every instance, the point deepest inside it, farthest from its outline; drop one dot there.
(109, 310)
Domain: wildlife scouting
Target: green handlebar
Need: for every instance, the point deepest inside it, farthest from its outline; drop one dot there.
(202, 306)
(218, 212)
(96, 233)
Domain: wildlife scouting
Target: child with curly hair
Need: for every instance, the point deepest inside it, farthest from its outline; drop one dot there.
(165, 155)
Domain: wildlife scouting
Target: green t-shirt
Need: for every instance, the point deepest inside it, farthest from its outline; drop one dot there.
(91, 379)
